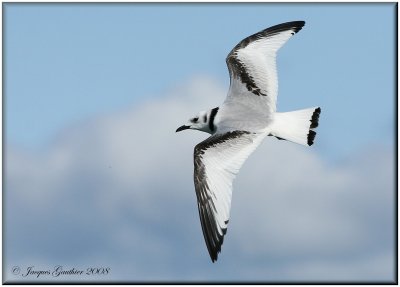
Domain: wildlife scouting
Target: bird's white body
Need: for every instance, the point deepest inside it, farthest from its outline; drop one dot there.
(239, 125)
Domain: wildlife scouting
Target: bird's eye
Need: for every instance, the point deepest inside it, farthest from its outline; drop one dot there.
(194, 120)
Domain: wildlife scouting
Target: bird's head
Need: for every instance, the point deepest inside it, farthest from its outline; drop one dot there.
(198, 122)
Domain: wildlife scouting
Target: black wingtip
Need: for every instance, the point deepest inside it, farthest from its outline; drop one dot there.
(298, 25)
(216, 249)
(295, 26)
(213, 255)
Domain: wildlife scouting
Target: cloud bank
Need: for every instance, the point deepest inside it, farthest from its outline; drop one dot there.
(116, 191)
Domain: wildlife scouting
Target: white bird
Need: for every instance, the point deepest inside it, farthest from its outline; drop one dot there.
(237, 127)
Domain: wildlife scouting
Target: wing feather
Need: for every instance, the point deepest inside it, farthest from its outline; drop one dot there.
(252, 67)
(217, 160)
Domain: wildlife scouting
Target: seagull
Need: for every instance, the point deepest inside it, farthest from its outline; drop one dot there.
(239, 125)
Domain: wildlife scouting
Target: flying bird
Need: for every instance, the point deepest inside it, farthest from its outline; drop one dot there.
(238, 126)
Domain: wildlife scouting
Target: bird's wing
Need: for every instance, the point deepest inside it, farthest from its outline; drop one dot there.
(252, 68)
(217, 160)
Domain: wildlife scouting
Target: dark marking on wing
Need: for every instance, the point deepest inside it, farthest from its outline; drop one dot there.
(207, 210)
(237, 68)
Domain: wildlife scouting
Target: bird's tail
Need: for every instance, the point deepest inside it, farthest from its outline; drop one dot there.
(297, 126)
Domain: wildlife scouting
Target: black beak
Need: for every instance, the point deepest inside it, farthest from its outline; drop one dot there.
(182, 128)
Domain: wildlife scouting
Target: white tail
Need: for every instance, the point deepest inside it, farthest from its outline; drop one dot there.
(296, 126)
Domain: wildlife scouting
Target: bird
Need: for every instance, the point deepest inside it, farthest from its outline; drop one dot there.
(246, 117)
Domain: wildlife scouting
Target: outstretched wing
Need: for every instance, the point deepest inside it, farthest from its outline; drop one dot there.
(217, 160)
(252, 67)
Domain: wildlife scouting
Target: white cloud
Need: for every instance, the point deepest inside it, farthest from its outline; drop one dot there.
(118, 190)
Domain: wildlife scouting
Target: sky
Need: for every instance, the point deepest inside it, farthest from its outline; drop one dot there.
(95, 175)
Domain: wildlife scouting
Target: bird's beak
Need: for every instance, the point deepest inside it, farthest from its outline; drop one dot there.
(182, 128)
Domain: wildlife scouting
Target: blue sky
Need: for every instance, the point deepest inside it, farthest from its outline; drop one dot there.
(84, 82)
(66, 63)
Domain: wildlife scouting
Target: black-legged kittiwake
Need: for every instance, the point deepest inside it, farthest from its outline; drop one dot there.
(237, 127)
